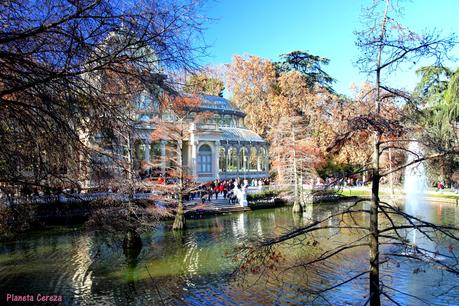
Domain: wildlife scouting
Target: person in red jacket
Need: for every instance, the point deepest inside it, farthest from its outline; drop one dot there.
(221, 187)
(216, 190)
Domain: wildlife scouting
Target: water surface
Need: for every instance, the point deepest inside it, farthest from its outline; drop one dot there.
(194, 268)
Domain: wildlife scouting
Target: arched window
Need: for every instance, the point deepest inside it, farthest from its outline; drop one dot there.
(262, 159)
(243, 159)
(211, 120)
(221, 160)
(232, 160)
(147, 102)
(205, 159)
(226, 120)
(171, 155)
(143, 102)
(233, 122)
(155, 151)
(139, 150)
(144, 118)
(253, 159)
(155, 105)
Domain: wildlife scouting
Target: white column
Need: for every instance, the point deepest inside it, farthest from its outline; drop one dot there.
(194, 157)
(238, 154)
(163, 156)
(147, 151)
(188, 157)
(194, 153)
(216, 161)
(258, 160)
(266, 160)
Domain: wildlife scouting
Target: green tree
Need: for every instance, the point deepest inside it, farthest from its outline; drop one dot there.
(437, 96)
(307, 64)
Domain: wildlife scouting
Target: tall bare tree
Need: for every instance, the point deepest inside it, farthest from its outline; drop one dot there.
(294, 112)
(294, 156)
(174, 128)
(385, 44)
(71, 69)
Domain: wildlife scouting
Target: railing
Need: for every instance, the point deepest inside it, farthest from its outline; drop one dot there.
(78, 198)
(242, 175)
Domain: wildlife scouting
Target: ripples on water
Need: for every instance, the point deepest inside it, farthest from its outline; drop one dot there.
(193, 268)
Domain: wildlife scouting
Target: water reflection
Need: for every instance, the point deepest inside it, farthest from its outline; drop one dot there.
(308, 213)
(191, 259)
(193, 268)
(239, 226)
(82, 260)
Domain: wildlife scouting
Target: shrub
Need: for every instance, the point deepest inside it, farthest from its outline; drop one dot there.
(265, 194)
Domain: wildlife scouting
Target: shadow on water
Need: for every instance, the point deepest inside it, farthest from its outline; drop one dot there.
(132, 246)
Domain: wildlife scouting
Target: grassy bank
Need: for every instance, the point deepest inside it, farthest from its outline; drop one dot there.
(367, 193)
(354, 192)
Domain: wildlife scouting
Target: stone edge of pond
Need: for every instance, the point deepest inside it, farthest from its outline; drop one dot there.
(437, 199)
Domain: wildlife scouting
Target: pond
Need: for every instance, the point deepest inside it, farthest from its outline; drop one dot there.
(194, 268)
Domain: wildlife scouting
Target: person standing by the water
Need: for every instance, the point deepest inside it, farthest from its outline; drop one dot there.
(440, 186)
(217, 190)
(225, 189)
(221, 188)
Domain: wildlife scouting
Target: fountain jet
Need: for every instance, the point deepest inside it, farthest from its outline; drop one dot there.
(415, 184)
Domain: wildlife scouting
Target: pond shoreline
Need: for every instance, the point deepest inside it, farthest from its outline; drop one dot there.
(81, 211)
(56, 213)
(52, 214)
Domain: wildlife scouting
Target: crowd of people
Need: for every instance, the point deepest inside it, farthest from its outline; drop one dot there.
(224, 189)
(217, 189)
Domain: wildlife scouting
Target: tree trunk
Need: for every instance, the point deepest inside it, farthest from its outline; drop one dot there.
(374, 234)
(375, 289)
(179, 222)
(129, 159)
(302, 201)
(374, 241)
(296, 197)
(296, 200)
(132, 241)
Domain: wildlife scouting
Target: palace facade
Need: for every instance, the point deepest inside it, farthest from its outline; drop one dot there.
(219, 148)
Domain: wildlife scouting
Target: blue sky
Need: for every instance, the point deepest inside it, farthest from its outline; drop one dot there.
(268, 28)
